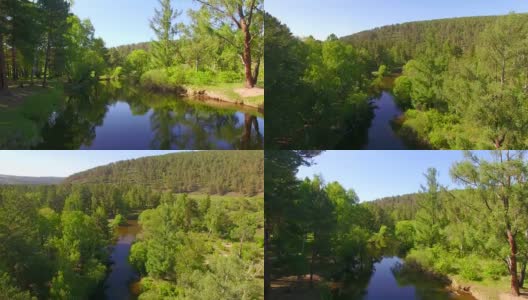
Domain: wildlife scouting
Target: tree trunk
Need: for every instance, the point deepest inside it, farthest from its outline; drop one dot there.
(513, 264)
(3, 80)
(14, 63)
(523, 273)
(256, 73)
(246, 57)
(312, 263)
(46, 62)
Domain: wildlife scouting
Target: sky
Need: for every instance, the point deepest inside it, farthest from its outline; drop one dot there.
(121, 22)
(377, 174)
(62, 163)
(320, 18)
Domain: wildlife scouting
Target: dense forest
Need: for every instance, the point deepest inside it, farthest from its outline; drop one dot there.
(56, 240)
(319, 236)
(213, 172)
(461, 83)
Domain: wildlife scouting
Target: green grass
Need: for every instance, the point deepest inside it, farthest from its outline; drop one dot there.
(20, 125)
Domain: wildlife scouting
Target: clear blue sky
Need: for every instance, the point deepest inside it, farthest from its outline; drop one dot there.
(321, 18)
(121, 22)
(62, 163)
(378, 174)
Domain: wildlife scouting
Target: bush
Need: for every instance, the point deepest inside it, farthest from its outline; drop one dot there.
(201, 77)
(229, 77)
(470, 268)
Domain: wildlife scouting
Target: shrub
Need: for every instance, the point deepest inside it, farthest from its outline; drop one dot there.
(229, 77)
(470, 268)
(201, 77)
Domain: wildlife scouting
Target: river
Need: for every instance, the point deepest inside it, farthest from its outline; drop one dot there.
(381, 136)
(388, 281)
(125, 117)
(119, 282)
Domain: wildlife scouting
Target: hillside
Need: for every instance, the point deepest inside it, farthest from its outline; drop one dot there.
(214, 172)
(25, 180)
(401, 42)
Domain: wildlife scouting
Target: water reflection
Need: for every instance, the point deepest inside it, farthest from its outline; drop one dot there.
(109, 117)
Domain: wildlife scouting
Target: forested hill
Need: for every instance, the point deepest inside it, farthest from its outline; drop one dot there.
(400, 42)
(403, 207)
(213, 172)
(25, 180)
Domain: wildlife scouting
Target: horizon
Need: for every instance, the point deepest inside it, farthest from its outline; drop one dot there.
(333, 16)
(374, 175)
(66, 163)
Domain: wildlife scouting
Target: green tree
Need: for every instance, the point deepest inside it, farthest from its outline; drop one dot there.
(501, 185)
(163, 50)
(245, 17)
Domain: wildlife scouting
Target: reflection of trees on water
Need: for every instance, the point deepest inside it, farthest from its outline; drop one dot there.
(175, 123)
(188, 125)
(74, 124)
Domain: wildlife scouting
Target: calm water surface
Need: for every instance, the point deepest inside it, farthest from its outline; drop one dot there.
(127, 118)
(380, 134)
(388, 282)
(122, 276)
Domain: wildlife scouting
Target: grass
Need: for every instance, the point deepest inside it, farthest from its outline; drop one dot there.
(26, 112)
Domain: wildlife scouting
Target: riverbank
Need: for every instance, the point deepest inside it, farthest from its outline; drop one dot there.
(23, 112)
(228, 92)
(485, 289)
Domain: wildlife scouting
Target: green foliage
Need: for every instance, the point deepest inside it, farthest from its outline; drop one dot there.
(402, 90)
(233, 171)
(181, 258)
(319, 79)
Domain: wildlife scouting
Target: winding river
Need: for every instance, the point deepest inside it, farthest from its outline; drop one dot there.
(120, 280)
(381, 136)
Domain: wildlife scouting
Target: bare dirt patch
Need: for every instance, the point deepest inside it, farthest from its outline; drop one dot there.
(246, 93)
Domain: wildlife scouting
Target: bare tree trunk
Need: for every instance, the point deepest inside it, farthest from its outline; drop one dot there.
(513, 264)
(46, 62)
(3, 80)
(256, 73)
(246, 56)
(523, 273)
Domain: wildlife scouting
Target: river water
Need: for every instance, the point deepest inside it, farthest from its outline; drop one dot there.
(128, 118)
(388, 281)
(118, 284)
(381, 136)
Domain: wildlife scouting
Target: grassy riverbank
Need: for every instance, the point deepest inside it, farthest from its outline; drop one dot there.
(23, 111)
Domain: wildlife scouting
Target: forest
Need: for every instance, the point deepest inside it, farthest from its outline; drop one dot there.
(321, 242)
(459, 83)
(48, 56)
(56, 241)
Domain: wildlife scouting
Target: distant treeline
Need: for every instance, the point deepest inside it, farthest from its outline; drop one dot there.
(396, 44)
(213, 172)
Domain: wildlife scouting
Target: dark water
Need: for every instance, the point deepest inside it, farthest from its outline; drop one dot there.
(127, 118)
(389, 280)
(380, 134)
(118, 284)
